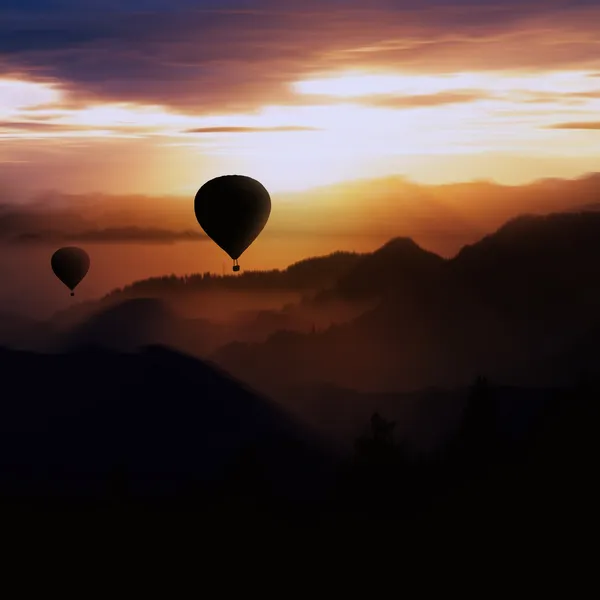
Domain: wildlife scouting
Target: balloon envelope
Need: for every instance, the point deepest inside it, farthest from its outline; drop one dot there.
(232, 210)
(70, 265)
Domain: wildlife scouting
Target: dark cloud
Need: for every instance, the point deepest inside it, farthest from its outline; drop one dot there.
(591, 125)
(15, 221)
(586, 95)
(224, 56)
(58, 218)
(109, 236)
(250, 129)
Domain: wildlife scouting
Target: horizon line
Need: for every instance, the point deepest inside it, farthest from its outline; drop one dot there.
(342, 183)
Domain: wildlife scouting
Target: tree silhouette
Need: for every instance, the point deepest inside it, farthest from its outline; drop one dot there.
(375, 479)
(309, 274)
(377, 447)
(118, 484)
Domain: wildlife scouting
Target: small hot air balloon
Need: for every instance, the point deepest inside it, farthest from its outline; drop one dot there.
(232, 210)
(70, 265)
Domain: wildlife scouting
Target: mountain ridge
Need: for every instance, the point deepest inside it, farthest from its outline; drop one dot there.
(402, 317)
(474, 317)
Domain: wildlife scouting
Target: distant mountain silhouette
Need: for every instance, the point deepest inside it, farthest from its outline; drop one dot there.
(540, 272)
(164, 421)
(529, 291)
(519, 306)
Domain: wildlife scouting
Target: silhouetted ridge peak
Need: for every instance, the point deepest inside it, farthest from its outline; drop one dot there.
(397, 263)
(566, 222)
(405, 251)
(549, 237)
(321, 270)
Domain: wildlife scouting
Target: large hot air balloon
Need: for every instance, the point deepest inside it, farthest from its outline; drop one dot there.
(70, 265)
(232, 210)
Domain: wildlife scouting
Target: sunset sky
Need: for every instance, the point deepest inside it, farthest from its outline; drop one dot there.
(159, 96)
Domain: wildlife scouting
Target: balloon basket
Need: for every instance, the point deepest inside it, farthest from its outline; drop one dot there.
(236, 268)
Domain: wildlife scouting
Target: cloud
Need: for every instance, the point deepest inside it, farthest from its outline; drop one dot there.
(117, 235)
(425, 100)
(236, 56)
(40, 126)
(62, 218)
(250, 129)
(43, 129)
(580, 97)
(590, 125)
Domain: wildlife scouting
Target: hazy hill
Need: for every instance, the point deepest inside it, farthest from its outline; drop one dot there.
(226, 297)
(138, 322)
(196, 313)
(125, 326)
(19, 331)
(313, 293)
(160, 419)
(134, 323)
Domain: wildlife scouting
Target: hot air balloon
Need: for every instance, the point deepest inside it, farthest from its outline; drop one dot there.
(232, 210)
(70, 265)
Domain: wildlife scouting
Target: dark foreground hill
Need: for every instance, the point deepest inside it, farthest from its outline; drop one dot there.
(131, 433)
(95, 423)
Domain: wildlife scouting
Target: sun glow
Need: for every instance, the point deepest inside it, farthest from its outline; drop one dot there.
(16, 95)
(370, 125)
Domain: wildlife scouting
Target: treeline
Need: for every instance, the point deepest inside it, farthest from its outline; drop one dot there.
(309, 274)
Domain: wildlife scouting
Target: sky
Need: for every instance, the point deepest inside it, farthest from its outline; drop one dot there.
(157, 97)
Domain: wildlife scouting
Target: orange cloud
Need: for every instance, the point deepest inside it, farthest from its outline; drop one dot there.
(250, 129)
(585, 126)
(425, 100)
